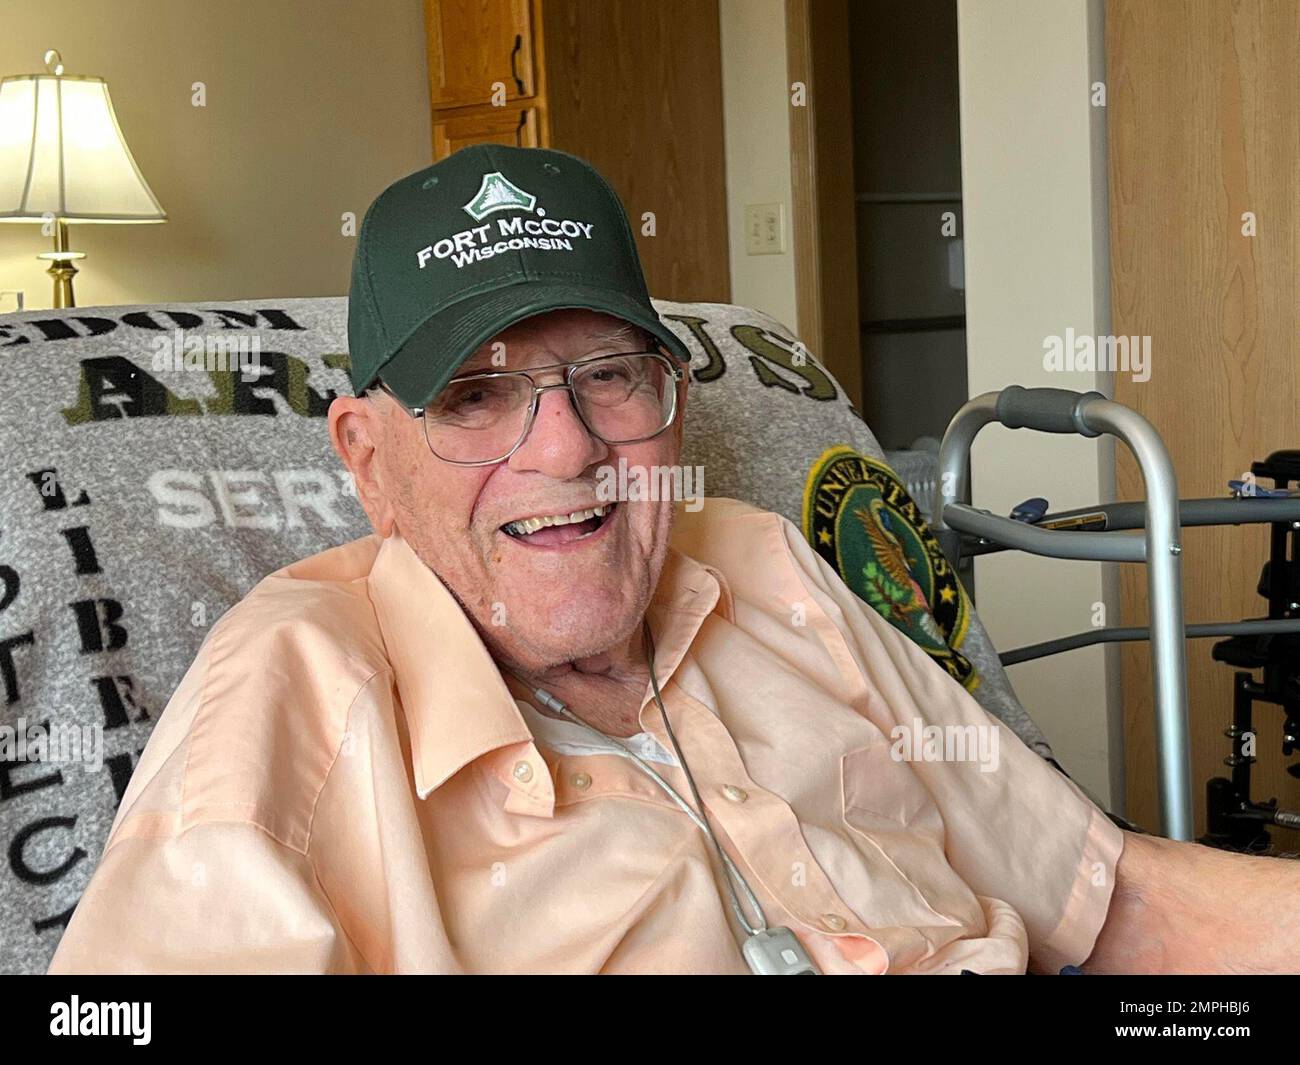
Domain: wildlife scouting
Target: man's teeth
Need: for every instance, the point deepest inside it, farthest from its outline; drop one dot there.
(527, 526)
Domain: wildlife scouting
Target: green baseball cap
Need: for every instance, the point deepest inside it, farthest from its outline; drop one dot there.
(451, 255)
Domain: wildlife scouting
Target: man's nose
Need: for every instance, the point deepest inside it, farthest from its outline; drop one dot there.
(558, 444)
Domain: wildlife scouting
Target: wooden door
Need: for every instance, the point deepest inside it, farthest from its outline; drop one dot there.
(1203, 116)
(635, 87)
(632, 86)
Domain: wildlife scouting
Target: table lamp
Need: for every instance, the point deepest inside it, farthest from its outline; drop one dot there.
(63, 159)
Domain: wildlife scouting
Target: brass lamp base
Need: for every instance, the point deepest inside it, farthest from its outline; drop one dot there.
(61, 268)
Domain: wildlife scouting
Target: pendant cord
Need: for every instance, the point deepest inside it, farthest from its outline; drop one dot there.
(734, 874)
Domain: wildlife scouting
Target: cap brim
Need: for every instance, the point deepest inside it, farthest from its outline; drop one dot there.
(446, 339)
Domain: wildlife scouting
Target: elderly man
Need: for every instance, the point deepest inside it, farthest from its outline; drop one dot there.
(528, 727)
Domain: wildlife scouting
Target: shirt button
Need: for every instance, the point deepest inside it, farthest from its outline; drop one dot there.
(581, 781)
(734, 793)
(523, 772)
(834, 922)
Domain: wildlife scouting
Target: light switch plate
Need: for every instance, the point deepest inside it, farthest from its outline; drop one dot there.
(764, 229)
(956, 265)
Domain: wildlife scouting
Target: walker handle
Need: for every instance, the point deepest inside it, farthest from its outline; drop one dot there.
(1048, 410)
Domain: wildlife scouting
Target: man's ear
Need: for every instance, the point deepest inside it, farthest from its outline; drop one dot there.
(356, 431)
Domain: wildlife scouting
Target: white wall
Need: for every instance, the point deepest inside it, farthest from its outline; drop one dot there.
(756, 120)
(1034, 188)
(312, 109)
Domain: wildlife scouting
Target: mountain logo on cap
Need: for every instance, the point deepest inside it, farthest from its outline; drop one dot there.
(498, 193)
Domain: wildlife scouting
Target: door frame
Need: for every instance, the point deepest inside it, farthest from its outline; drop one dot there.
(822, 188)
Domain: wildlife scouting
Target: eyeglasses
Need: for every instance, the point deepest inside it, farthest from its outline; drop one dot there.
(483, 418)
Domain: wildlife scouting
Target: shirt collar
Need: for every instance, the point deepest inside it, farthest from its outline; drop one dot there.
(687, 593)
(457, 705)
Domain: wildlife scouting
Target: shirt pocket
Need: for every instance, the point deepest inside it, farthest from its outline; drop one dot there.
(881, 792)
(899, 834)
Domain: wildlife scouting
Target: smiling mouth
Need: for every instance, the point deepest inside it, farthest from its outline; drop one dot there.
(551, 530)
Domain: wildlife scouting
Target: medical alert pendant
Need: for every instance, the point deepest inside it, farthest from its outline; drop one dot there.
(776, 952)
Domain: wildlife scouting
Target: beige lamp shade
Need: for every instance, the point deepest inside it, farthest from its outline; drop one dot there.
(63, 155)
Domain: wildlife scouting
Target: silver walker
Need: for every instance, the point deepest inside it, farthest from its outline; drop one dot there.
(1097, 534)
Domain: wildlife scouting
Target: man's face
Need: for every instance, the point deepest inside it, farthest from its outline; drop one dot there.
(570, 591)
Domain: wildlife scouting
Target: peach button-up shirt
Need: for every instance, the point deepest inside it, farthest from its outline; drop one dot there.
(344, 782)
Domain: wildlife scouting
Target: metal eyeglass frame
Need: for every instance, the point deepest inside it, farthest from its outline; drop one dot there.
(675, 373)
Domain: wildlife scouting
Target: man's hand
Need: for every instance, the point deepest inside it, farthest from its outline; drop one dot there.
(1185, 908)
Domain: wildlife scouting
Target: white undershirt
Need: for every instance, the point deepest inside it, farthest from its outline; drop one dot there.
(567, 737)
